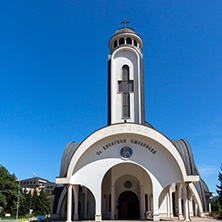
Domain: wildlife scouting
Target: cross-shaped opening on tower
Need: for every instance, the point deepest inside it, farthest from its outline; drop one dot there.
(125, 87)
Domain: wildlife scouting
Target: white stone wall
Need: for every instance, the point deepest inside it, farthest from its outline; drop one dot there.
(131, 57)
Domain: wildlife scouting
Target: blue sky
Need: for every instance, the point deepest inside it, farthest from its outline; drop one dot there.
(53, 76)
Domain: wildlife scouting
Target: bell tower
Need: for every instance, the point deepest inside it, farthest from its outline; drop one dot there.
(125, 77)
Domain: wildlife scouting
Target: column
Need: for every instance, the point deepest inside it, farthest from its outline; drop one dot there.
(98, 202)
(171, 201)
(180, 214)
(113, 206)
(76, 201)
(209, 207)
(86, 203)
(191, 204)
(142, 207)
(168, 204)
(69, 203)
(185, 203)
(156, 216)
(196, 209)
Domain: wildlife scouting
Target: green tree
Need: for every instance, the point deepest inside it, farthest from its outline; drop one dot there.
(8, 191)
(24, 202)
(34, 204)
(40, 203)
(219, 190)
(44, 203)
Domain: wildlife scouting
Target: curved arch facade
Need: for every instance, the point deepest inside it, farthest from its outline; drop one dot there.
(152, 152)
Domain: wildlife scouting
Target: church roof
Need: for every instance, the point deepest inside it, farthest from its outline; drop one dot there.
(185, 152)
(203, 190)
(124, 30)
(184, 149)
(70, 149)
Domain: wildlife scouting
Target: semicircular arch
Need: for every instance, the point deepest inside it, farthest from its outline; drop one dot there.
(123, 129)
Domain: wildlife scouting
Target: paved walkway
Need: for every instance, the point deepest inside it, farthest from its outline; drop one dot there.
(197, 219)
(175, 219)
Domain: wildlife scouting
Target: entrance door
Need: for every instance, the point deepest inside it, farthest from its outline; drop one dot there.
(128, 205)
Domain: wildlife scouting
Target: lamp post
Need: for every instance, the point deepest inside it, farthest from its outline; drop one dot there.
(18, 202)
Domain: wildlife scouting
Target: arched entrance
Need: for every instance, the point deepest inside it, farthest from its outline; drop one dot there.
(128, 205)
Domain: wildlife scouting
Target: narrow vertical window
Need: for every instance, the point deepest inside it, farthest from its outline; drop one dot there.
(129, 41)
(109, 202)
(125, 87)
(121, 41)
(115, 44)
(146, 202)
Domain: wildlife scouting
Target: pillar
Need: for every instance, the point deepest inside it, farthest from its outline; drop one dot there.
(98, 200)
(185, 200)
(180, 214)
(157, 189)
(113, 206)
(209, 207)
(142, 206)
(69, 204)
(76, 200)
(196, 209)
(168, 204)
(156, 216)
(171, 201)
(191, 204)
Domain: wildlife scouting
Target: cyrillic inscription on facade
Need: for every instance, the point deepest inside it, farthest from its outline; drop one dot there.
(124, 141)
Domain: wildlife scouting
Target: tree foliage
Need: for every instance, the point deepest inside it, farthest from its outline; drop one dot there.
(8, 191)
(216, 206)
(219, 190)
(9, 197)
(40, 203)
(44, 204)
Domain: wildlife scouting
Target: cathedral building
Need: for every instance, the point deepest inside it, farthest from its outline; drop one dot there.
(128, 169)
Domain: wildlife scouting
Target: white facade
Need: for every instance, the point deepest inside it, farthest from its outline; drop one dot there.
(127, 170)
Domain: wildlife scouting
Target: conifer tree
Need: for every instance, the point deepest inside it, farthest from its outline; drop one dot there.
(23, 207)
(44, 203)
(34, 204)
(219, 190)
(40, 203)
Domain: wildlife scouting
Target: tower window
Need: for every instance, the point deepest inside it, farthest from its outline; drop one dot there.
(125, 87)
(121, 41)
(129, 41)
(115, 44)
(135, 42)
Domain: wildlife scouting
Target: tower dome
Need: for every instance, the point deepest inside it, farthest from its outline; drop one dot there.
(124, 30)
(125, 36)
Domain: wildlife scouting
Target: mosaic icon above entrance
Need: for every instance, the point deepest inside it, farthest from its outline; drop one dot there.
(126, 152)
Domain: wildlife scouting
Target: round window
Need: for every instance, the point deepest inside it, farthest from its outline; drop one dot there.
(128, 184)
